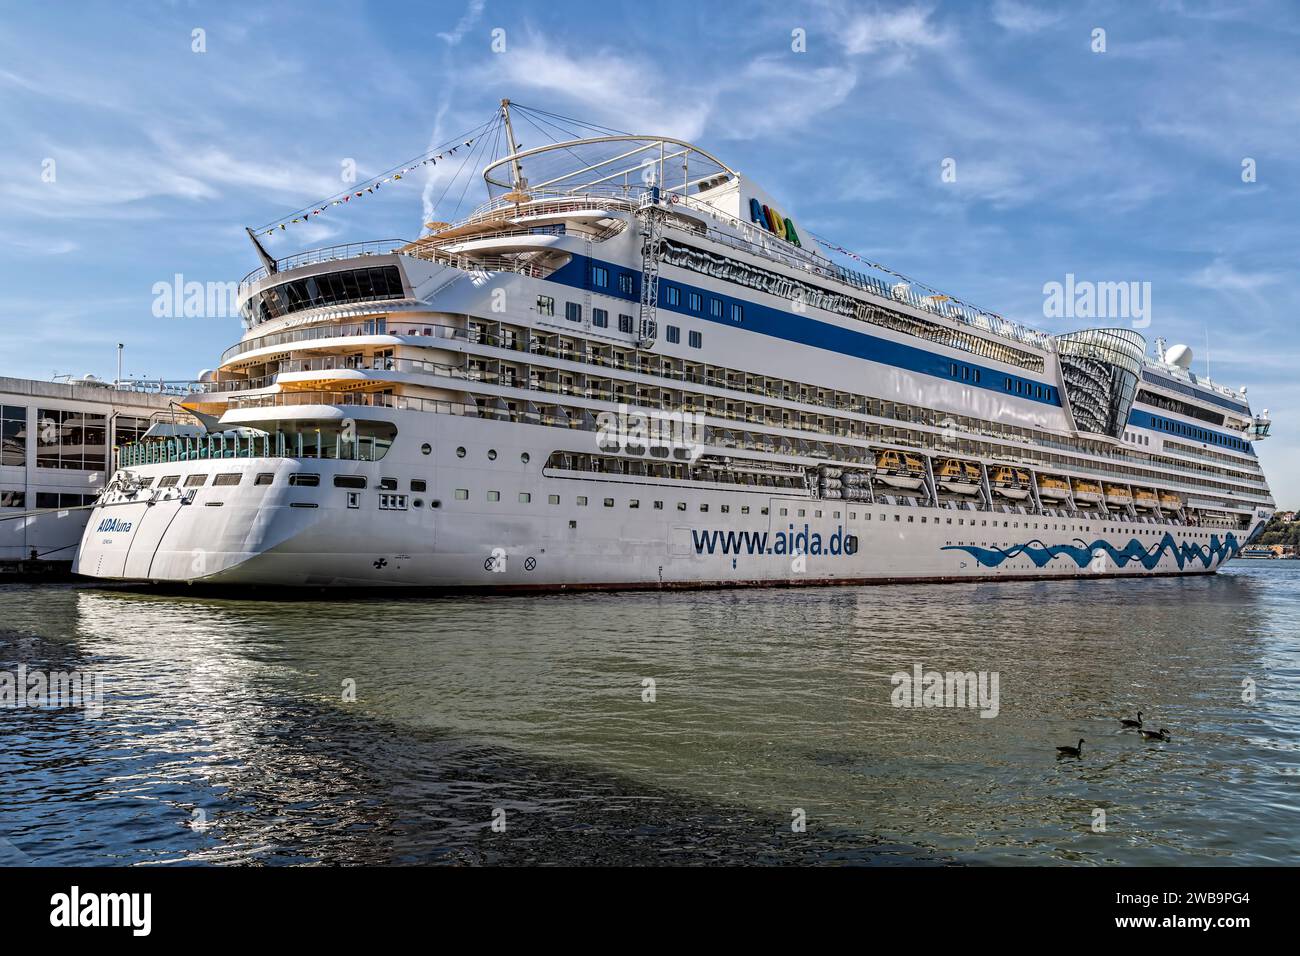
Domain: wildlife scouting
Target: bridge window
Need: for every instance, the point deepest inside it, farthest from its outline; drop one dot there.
(672, 295)
(599, 277)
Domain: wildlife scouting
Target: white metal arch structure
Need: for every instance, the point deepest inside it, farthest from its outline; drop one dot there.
(608, 164)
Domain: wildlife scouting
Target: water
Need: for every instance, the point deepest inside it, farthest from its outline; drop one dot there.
(226, 738)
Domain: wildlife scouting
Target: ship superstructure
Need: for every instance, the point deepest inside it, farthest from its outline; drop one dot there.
(629, 369)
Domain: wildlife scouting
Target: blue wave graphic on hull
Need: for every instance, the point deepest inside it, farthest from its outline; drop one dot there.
(1083, 554)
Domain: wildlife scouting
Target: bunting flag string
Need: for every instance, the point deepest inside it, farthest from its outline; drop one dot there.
(365, 189)
(898, 275)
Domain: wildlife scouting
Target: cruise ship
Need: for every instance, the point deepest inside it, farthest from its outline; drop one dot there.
(629, 369)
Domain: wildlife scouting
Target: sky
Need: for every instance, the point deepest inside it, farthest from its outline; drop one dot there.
(986, 147)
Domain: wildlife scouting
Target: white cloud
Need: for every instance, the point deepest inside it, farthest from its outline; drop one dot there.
(465, 23)
(1016, 17)
(905, 31)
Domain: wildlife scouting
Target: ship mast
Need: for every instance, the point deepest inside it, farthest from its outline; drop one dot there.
(518, 192)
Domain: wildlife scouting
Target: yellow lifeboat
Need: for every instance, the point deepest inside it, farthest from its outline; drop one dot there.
(900, 470)
(1053, 488)
(959, 477)
(1145, 498)
(1118, 496)
(1010, 483)
(1087, 492)
(1170, 501)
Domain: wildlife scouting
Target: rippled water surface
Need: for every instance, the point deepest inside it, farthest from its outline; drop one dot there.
(227, 735)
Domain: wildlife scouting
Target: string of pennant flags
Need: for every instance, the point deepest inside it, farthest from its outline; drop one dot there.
(898, 275)
(366, 189)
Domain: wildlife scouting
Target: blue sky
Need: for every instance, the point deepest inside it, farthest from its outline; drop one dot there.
(1117, 166)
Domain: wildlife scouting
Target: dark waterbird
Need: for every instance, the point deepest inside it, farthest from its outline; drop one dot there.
(1160, 734)
(1127, 722)
(1070, 751)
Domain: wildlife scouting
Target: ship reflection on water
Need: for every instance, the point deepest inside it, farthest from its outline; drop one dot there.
(658, 728)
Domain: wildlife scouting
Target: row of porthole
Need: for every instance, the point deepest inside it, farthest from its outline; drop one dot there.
(492, 454)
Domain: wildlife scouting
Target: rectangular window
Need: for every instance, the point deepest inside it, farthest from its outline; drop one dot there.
(227, 478)
(197, 481)
(582, 500)
(674, 334)
(349, 481)
(552, 499)
(13, 422)
(524, 497)
(609, 502)
(462, 494)
(13, 499)
(419, 484)
(681, 506)
(737, 312)
(545, 305)
(695, 302)
(600, 318)
(169, 481)
(265, 478)
(672, 295)
(304, 480)
(600, 277)
(634, 503)
(715, 308)
(573, 311)
(625, 323)
(70, 440)
(387, 484)
(697, 340)
(625, 283)
(659, 506)
(494, 496)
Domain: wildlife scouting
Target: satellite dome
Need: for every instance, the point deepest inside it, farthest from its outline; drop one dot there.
(207, 375)
(1180, 355)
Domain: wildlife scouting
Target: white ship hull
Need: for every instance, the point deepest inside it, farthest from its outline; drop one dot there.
(266, 537)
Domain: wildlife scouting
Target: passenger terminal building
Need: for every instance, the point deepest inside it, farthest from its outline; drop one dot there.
(58, 440)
